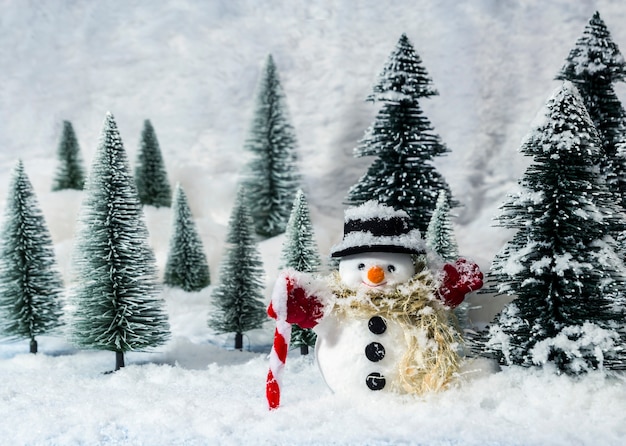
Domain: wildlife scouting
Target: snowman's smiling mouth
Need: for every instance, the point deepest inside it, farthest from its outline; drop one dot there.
(374, 285)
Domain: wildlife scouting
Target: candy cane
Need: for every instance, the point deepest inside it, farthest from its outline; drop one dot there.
(297, 298)
(282, 335)
(278, 357)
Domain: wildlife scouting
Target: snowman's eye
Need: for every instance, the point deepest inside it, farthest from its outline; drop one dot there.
(361, 266)
(391, 268)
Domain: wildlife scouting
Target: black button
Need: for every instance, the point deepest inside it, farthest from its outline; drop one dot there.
(375, 351)
(375, 381)
(377, 325)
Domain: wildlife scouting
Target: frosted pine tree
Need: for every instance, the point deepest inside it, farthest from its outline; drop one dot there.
(186, 266)
(561, 265)
(595, 57)
(150, 174)
(441, 240)
(30, 285)
(238, 299)
(271, 176)
(594, 65)
(300, 253)
(70, 173)
(440, 236)
(617, 177)
(403, 142)
(116, 295)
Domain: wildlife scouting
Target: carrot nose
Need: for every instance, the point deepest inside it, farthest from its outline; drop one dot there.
(376, 274)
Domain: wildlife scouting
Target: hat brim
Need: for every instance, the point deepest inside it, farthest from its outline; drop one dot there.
(375, 248)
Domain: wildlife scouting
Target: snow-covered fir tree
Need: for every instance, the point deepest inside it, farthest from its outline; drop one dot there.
(299, 249)
(441, 240)
(238, 299)
(271, 176)
(440, 236)
(561, 265)
(617, 174)
(186, 266)
(70, 173)
(153, 185)
(594, 65)
(403, 141)
(594, 59)
(30, 285)
(116, 295)
(300, 253)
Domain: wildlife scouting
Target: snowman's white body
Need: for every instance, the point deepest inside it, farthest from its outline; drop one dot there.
(348, 348)
(341, 355)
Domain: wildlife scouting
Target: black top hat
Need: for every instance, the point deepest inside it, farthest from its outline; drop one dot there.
(376, 227)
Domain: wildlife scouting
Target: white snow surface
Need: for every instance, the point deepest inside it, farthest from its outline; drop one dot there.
(371, 210)
(191, 68)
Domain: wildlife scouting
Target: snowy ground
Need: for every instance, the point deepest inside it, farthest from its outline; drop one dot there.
(191, 68)
(195, 392)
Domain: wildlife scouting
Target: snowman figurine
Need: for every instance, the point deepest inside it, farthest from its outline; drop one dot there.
(383, 320)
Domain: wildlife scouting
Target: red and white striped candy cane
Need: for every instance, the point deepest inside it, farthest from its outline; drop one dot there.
(297, 298)
(278, 357)
(282, 335)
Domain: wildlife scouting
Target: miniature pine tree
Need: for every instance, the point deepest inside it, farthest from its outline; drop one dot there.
(300, 253)
(618, 164)
(186, 266)
(271, 177)
(150, 175)
(440, 234)
(441, 240)
(402, 139)
(595, 57)
(70, 173)
(116, 297)
(238, 299)
(561, 265)
(593, 65)
(30, 285)
(299, 250)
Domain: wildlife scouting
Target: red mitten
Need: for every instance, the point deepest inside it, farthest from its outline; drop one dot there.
(302, 309)
(459, 278)
(298, 306)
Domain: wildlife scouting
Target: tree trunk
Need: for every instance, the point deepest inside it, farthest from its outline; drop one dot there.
(238, 341)
(33, 346)
(304, 349)
(119, 360)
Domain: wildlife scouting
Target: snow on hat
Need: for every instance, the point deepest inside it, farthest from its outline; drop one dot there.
(376, 227)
